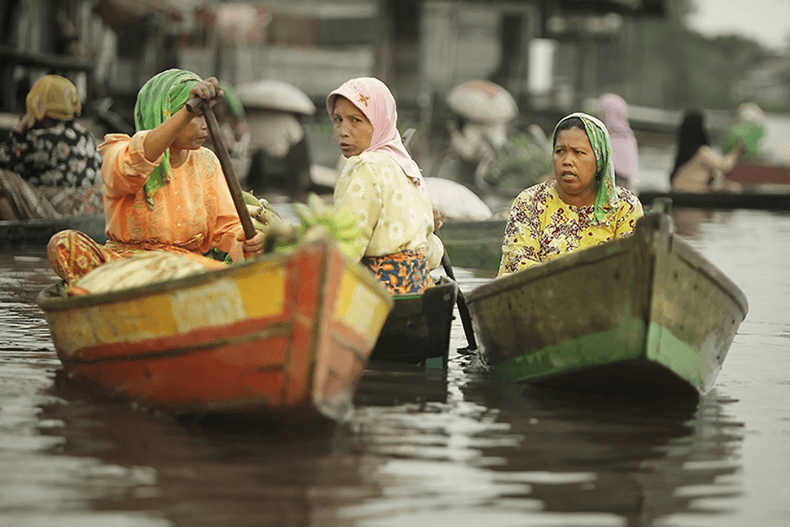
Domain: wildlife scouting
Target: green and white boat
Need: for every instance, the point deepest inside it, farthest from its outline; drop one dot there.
(646, 314)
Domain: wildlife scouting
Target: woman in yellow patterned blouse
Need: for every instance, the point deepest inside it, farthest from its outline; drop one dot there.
(581, 207)
(383, 186)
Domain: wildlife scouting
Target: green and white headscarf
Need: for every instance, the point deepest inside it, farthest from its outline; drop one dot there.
(159, 98)
(606, 200)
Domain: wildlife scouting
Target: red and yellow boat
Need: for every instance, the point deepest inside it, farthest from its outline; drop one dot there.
(284, 334)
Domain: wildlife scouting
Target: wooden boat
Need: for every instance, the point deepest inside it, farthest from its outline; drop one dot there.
(722, 200)
(765, 187)
(417, 331)
(645, 314)
(279, 335)
(753, 173)
(38, 232)
(474, 244)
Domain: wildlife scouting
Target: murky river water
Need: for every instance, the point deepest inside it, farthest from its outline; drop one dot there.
(461, 449)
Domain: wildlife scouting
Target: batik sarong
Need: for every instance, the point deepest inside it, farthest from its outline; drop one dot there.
(74, 254)
(404, 273)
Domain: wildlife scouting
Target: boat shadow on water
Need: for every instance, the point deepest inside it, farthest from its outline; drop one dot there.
(197, 470)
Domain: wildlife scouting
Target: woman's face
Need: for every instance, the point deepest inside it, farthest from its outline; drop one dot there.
(575, 167)
(193, 135)
(351, 129)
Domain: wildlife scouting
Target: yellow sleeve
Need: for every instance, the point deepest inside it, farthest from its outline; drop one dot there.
(435, 251)
(629, 212)
(521, 244)
(358, 192)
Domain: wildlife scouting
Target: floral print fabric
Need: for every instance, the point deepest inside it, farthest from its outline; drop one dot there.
(73, 254)
(394, 213)
(404, 273)
(541, 226)
(64, 155)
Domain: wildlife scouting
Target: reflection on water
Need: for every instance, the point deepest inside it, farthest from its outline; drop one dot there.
(505, 455)
(689, 221)
(457, 448)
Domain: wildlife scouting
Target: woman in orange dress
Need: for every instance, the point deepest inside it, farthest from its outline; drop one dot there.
(163, 189)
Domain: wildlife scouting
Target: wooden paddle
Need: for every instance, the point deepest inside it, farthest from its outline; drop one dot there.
(199, 104)
(466, 318)
(463, 310)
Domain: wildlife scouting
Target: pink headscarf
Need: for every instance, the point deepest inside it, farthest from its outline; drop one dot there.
(374, 99)
(614, 113)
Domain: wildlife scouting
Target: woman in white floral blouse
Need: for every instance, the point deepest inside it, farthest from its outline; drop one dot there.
(383, 186)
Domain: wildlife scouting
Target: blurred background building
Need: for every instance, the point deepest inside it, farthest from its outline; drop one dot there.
(553, 56)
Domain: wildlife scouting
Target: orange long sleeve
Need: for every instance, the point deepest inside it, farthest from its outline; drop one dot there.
(194, 211)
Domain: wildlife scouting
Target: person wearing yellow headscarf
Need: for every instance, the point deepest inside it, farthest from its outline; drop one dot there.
(50, 165)
(163, 189)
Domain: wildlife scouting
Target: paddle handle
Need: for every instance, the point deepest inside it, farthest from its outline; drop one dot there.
(463, 310)
(466, 318)
(197, 104)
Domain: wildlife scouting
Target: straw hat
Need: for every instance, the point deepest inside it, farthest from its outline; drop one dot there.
(275, 95)
(53, 96)
(482, 101)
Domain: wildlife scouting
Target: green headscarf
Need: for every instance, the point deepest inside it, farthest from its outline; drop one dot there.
(159, 98)
(606, 200)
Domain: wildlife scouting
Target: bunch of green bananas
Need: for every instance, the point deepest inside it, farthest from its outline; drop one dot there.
(319, 219)
(266, 219)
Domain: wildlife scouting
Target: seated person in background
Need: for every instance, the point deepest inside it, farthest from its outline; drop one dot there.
(163, 189)
(476, 144)
(614, 114)
(698, 168)
(383, 186)
(581, 207)
(747, 133)
(49, 167)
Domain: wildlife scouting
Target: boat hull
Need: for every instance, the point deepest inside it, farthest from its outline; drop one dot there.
(642, 314)
(417, 331)
(749, 199)
(38, 232)
(749, 174)
(281, 334)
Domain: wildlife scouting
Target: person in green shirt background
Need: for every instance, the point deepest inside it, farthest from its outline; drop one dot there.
(749, 131)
